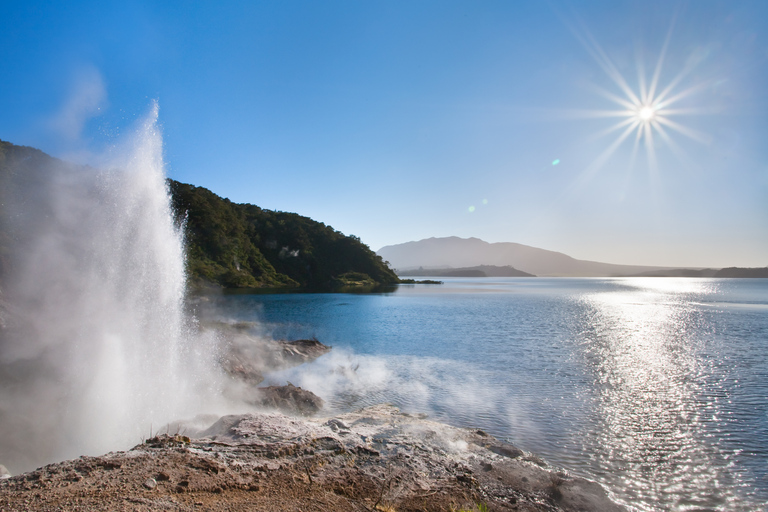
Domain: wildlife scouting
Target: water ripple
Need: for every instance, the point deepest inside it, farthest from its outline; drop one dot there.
(656, 387)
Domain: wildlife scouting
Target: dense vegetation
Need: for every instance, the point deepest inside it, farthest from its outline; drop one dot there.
(244, 246)
(228, 245)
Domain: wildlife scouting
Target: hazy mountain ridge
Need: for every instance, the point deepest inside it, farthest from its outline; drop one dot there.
(440, 254)
(478, 271)
(471, 252)
(742, 272)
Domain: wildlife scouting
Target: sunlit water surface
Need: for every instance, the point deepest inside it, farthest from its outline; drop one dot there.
(655, 387)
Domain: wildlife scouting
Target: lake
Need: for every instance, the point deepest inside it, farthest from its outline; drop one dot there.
(655, 387)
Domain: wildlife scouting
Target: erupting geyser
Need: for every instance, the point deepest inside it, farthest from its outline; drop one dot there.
(98, 351)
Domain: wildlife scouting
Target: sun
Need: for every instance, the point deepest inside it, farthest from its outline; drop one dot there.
(645, 114)
(648, 110)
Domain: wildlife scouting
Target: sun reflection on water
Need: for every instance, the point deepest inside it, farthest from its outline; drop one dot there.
(648, 378)
(654, 387)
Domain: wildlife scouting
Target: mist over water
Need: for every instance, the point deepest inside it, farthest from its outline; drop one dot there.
(654, 387)
(99, 351)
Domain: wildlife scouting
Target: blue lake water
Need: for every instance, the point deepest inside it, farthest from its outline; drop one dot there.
(655, 387)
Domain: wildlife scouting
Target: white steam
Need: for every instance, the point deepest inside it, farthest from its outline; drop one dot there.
(456, 392)
(88, 97)
(100, 350)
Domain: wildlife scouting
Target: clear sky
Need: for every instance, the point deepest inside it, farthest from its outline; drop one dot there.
(618, 131)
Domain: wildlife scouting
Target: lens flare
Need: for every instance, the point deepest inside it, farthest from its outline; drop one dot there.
(645, 110)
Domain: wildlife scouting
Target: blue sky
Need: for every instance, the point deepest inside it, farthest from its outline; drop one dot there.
(401, 120)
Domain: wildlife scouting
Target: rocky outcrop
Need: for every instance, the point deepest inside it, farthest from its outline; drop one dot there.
(289, 399)
(294, 353)
(374, 459)
(247, 357)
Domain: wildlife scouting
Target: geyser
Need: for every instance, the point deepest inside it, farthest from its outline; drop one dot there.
(97, 351)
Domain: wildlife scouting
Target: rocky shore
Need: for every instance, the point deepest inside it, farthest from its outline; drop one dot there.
(374, 459)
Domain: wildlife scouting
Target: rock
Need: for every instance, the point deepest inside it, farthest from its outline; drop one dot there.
(503, 448)
(4, 473)
(247, 358)
(338, 426)
(289, 399)
(299, 352)
(375, 458)
(242, 370)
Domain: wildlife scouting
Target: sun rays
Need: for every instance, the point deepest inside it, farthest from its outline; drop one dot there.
(648, 111)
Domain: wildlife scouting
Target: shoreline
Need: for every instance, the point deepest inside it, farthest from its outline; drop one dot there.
(376, 458)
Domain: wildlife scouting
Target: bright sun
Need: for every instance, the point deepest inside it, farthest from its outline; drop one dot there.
(646, 113)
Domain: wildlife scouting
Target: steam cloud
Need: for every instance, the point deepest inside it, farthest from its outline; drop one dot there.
(455, 392)
(88, 96)
(98, 349)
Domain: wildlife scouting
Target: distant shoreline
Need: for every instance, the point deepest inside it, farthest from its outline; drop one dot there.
(483, 271)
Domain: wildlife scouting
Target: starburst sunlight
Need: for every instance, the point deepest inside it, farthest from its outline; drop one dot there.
(649, 110)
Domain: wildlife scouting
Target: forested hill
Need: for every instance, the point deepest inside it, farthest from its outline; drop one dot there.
(228, 245)
(243, 246)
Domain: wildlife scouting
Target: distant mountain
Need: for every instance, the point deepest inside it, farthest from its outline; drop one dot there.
(743, 272)
(680, 272)
(455, 252)
(730, 272)
(479, 271)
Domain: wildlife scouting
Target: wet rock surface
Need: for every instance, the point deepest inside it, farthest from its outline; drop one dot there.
(374, 459)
